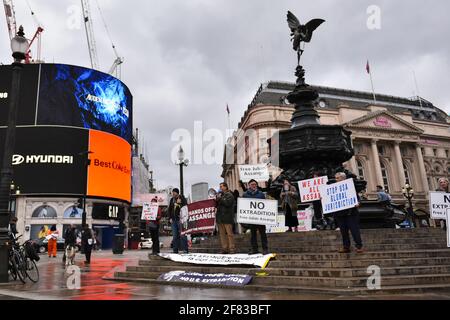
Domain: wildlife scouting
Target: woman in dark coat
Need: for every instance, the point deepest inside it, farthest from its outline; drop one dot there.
(289, 197)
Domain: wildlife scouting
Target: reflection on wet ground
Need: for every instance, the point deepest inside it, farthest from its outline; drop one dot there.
(53, 285)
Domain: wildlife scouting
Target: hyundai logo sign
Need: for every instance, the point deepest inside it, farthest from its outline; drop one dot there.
(18, 159)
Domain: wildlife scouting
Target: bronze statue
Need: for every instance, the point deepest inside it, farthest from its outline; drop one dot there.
(301, 33)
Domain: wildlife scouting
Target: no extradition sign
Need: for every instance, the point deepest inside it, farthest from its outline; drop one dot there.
(257, 211)
(439, 203)
(309, 189)
(258, 172)
(338, 196)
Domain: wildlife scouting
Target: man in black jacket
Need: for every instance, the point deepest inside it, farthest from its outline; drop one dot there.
(176, 203)
(225, 218)
(348, 220)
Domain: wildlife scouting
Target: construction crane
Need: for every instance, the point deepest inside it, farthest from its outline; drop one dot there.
(12, 30)
(90, 33)
(116, 66)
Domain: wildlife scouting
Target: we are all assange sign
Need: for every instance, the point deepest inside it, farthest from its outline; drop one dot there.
(338, 196)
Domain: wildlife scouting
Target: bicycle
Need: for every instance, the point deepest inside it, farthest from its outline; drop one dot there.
(22, 263)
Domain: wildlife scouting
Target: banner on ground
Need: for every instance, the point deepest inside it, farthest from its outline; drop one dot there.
(235, 280)
(309, 189)
(257, 260)
(280, 227)
(338, 196)
(305, 218)
(439, 203)
(149, 211)
(162, 199)
(257, 211)
(258, 172)
(198, 217)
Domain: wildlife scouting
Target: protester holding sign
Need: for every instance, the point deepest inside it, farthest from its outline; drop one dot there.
(348, 220)
(225, 219)
(154, 230)
(289, 197)
(443, 187)
(254, 193)
(176, 203)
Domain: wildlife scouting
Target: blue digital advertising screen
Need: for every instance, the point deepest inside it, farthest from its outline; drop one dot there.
(81, 97)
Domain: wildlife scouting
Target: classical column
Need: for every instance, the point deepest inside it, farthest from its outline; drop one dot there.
(400, 169)
(423, 172)
(376, 163)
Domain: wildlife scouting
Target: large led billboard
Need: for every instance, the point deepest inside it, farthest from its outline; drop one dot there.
(109, 173)
(51, 161)
(72, 96)
(76, 96)
(27, 98)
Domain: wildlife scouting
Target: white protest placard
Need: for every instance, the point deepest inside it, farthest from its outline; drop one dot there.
(338, 196)
(280, 227)
(439, 203)
(309, 189)
(257, 211)
(448, 229)
(258, 172)
(149, 211)
(305, 218)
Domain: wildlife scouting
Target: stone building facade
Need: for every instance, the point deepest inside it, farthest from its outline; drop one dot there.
(396, 140)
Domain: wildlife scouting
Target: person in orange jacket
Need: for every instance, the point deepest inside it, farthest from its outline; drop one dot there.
(52, 237)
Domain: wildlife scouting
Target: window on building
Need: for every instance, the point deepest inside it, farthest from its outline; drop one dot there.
(358, 148)
(384, 174)
(381, 150)
(435, 152)
(407, 175)
(360, 169)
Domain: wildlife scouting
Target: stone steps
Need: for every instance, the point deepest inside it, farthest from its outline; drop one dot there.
(298, 248)
(411, 261)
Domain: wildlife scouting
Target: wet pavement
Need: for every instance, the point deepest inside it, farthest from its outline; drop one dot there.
(53, 285)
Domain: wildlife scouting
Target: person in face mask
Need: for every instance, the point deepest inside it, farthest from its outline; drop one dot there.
(289, 198)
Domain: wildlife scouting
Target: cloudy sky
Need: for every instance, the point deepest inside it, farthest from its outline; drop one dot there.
(186, 59)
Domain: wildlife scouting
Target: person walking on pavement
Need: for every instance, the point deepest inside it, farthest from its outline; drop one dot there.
(254, 193)
(289, 197)
(443, 187)
(87, 242)
(348, 220)
(154, 230)
(176, 203)
(225, 219)
(52, 238)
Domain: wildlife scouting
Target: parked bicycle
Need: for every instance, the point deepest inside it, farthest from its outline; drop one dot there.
(22, 261)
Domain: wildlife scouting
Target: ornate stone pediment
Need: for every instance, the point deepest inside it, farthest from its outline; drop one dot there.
(384, 121)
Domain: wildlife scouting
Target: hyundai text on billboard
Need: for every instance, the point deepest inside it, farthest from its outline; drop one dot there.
(52, 161)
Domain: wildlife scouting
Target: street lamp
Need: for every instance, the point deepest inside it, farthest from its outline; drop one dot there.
(19, 46)
(408, 193)
(182, 162)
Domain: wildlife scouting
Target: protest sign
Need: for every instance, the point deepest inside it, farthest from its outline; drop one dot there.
(309, 189)
(258, 172)
(235, 280)
(439, 203)
(448, 229)
(338, 196)
(280, 227)
(258, 260)
(257, 211)
(149, 211)
(305, 218)
(161, 199)
(198, 217)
